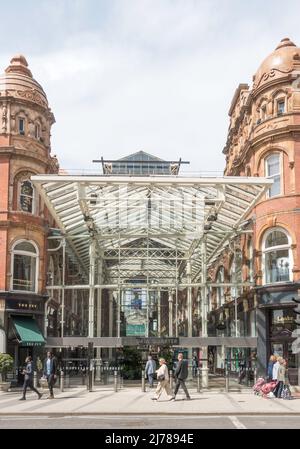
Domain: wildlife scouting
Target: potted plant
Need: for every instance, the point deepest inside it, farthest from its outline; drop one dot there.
(6, 364)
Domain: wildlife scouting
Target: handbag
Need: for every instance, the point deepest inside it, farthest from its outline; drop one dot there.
(161, 377)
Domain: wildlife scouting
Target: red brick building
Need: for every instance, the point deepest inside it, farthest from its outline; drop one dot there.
(25, 126)
(264, 140)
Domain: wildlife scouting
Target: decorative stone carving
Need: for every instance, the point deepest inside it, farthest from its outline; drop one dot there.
(32, 95)
(4, 118)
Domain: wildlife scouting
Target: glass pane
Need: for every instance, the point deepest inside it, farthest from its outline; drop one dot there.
(26, 196)
(275, 189)
(277, 266)
(273, 165)
(276, 238)
(24, 273)
(25, 246)
(282, 322)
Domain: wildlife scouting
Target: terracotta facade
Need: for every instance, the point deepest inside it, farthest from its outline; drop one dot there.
(264, 138)
(25, 126)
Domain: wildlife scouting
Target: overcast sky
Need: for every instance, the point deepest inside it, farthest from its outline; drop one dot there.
(153, 75)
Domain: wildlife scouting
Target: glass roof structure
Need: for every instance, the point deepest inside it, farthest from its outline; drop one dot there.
(140, 164)
(150, 228)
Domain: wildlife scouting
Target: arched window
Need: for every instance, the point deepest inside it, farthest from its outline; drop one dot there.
(272, 170)
(27, 196)
(236, 274)
(277, 256)
(220, 290)
(24, 266)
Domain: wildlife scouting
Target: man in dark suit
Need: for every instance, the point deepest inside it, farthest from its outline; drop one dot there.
(50, 372)
(181, 374)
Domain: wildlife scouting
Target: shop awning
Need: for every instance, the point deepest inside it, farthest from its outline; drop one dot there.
(28, 332)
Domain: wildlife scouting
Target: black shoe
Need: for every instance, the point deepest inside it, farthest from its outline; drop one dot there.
(40, 395)
(188, 398)
(22, 399)
(172, 398)
(154, 399)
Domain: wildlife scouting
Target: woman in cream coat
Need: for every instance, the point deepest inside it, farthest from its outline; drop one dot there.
(163, 381)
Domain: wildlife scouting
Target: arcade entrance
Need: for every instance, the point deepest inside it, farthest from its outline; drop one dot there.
(130, 256)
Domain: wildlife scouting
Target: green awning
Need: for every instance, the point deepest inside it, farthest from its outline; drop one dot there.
(28, 331)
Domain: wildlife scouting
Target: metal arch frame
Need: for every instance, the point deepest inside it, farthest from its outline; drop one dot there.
(151, 227)
(79, 215)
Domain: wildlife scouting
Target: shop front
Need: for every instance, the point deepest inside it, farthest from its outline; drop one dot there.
(276, 323)
(23, 324)
(281, 328)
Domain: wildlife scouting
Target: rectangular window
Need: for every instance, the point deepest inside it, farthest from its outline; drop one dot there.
(280, 107)
(277, 266)
(24, 273)
(21, 126)
(273, 171)
(264, 112)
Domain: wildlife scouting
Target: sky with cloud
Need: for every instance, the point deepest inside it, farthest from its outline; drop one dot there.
(152, 75)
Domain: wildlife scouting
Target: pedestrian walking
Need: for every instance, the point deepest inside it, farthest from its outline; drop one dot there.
(163, 381)
(275, 368)
(271, 363)
(150, 369)
(280, 377)
(28, 379)
(50, 372)
(181, 374)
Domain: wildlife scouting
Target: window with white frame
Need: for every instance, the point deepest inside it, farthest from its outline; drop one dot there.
(27, 196)
(277, 256)
(236, 274)
(220, 290)
(272, 169)
(24, 266)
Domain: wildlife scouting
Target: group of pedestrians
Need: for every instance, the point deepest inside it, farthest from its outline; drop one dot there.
(49, 373)
(277, 372)
(162, 375)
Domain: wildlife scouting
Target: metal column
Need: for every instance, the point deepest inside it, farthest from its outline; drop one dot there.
(189, 310)
(91, 289)
(204, 315)
(170, 313)
(63, 287)
(159, 312)
(110, 322)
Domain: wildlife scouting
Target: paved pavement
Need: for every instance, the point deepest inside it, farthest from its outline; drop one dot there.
(131, 401)
(166, 423)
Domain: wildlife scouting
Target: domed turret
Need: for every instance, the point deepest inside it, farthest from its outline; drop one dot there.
(17, 81)
(279, 64)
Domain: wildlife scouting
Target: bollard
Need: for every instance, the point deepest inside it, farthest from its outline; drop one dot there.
(171, 379)
(255, 375)
(35, 379)
(61, 381)
(198, 380)
(143, 381)
(227, 379)
(116, 381)
(67, 380)
(90, 376)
